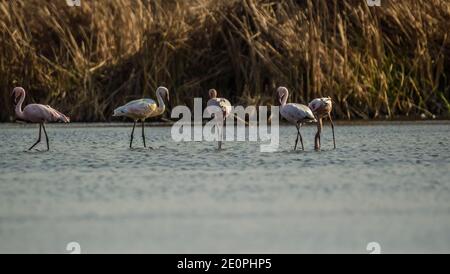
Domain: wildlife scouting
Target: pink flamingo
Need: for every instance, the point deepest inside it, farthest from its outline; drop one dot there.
(322, 107)
(36, 113)
(224, 105)
(297, 114)
(141, 109)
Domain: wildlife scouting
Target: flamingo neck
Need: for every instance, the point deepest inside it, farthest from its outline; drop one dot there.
(284, 98)
(18, 110)
(161, 105)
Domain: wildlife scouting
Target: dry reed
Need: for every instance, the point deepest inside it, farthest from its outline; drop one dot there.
(375, 62)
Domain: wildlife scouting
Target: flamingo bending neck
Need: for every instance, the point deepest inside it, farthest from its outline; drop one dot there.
(161, 105)
(284, 95)
(18, 108)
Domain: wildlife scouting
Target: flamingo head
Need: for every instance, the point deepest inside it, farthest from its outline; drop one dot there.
(17, 93)
(164, 92)
(282, 94)
(212, 93)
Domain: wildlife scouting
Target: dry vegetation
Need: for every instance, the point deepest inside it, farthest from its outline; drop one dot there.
(378, 62)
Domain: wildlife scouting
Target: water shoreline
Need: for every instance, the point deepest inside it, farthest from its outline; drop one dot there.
(282, 123)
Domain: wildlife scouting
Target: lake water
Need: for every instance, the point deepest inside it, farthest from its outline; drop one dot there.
(387, 183)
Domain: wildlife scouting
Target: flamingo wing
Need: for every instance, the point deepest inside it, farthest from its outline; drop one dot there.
(141, 102)
(38, 113)
(137, 109)
(297, 112)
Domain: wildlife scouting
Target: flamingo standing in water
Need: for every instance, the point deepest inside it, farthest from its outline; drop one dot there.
(36, 113)
(322, 108)
(297, 114)
(225, 107)
(142, 109)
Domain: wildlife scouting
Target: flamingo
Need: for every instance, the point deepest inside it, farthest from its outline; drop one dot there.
(322, 107)
(142, 109)
(36, 113)
(223, 104)
(296, 114)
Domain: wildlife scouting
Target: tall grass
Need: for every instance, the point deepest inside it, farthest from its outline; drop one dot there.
(374, 62)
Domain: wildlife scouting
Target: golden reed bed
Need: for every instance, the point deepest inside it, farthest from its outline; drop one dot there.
(374, 62)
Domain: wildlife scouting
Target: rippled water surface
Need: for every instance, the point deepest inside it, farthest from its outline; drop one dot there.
(388, 183)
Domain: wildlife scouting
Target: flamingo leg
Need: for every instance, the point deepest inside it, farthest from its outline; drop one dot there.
(319, 131)
(301, 138)
(132, 134)
(143, 134)
(332, 128)
(39, 139)
(319, 138)
(220, 132)
(46, 136)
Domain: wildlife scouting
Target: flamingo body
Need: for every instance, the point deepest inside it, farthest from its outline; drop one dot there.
(222, 103)
(140, 109)
(36, 113)
(296, 113)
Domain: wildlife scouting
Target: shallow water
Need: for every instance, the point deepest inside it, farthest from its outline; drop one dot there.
(388, 183)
